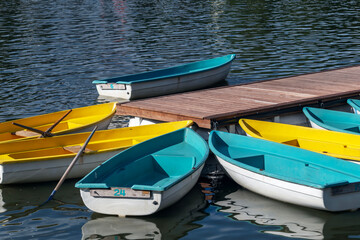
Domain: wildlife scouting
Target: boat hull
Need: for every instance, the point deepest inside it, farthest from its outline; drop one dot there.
(290, 192)
(140, 207)
(314, 125)
(166, 86)
(162, 86)
(78, 120)
(51, 169)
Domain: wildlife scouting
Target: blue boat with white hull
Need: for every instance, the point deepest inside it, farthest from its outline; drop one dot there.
(181, 78)
(333, 120)
(287, 173)
(148, 177)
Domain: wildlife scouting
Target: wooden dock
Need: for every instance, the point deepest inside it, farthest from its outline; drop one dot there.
(214, 107)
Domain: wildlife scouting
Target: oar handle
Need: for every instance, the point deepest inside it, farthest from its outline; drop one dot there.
(74, 160)
(70, 166)
(57, 122)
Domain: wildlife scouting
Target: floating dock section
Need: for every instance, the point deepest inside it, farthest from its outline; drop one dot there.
(216, 107)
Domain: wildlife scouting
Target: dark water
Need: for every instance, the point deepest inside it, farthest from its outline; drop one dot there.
(51, 51)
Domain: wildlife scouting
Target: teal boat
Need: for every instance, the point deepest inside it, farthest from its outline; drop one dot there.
(181, 78)
(287, 173)
(355, 105)
(333, 120)
(148, 177)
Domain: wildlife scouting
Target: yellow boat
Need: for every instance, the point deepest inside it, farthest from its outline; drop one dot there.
(336, 144)
(46, 159)
(74, 120)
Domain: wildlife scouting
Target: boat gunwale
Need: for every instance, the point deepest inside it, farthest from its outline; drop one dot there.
(353, 104)
(108, 81)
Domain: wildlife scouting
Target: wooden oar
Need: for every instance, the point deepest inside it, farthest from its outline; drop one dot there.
(70, 166)
(42, 133)
(47, 133)
(57, 122)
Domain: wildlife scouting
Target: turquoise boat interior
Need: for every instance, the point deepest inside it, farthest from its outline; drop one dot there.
(283, 162)
(354, 103)
(334, 120)
(184, 69)
(153, 165)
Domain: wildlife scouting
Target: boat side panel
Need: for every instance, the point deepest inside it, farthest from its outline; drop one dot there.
(303, 195)
(273, 188)
(50, 170)
(199, 66)
(179, 190)
(169, 85)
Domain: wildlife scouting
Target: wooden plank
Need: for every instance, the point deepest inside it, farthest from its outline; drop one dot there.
(296, 90)
(302, 102)
(227, 102)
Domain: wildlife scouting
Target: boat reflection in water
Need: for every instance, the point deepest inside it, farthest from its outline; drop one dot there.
(295, 221)
(14, 197)
(171, 223)
(125, 228)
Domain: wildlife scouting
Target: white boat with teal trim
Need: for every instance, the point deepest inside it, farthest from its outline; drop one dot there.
(333, 120)
(147, 177)
(181, 78)
(287, 173)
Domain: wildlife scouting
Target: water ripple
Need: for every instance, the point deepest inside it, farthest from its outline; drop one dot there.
(51, 51)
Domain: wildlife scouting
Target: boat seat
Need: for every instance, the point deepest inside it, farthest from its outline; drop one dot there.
(293, 142)
(76, 149)
(256, 161)
(353, 129)
(248, 157)
(24, 133)
(161, 185)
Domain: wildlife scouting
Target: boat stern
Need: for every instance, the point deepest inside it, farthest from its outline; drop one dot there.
(115, 90)
(120, 205)
(342, 197)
